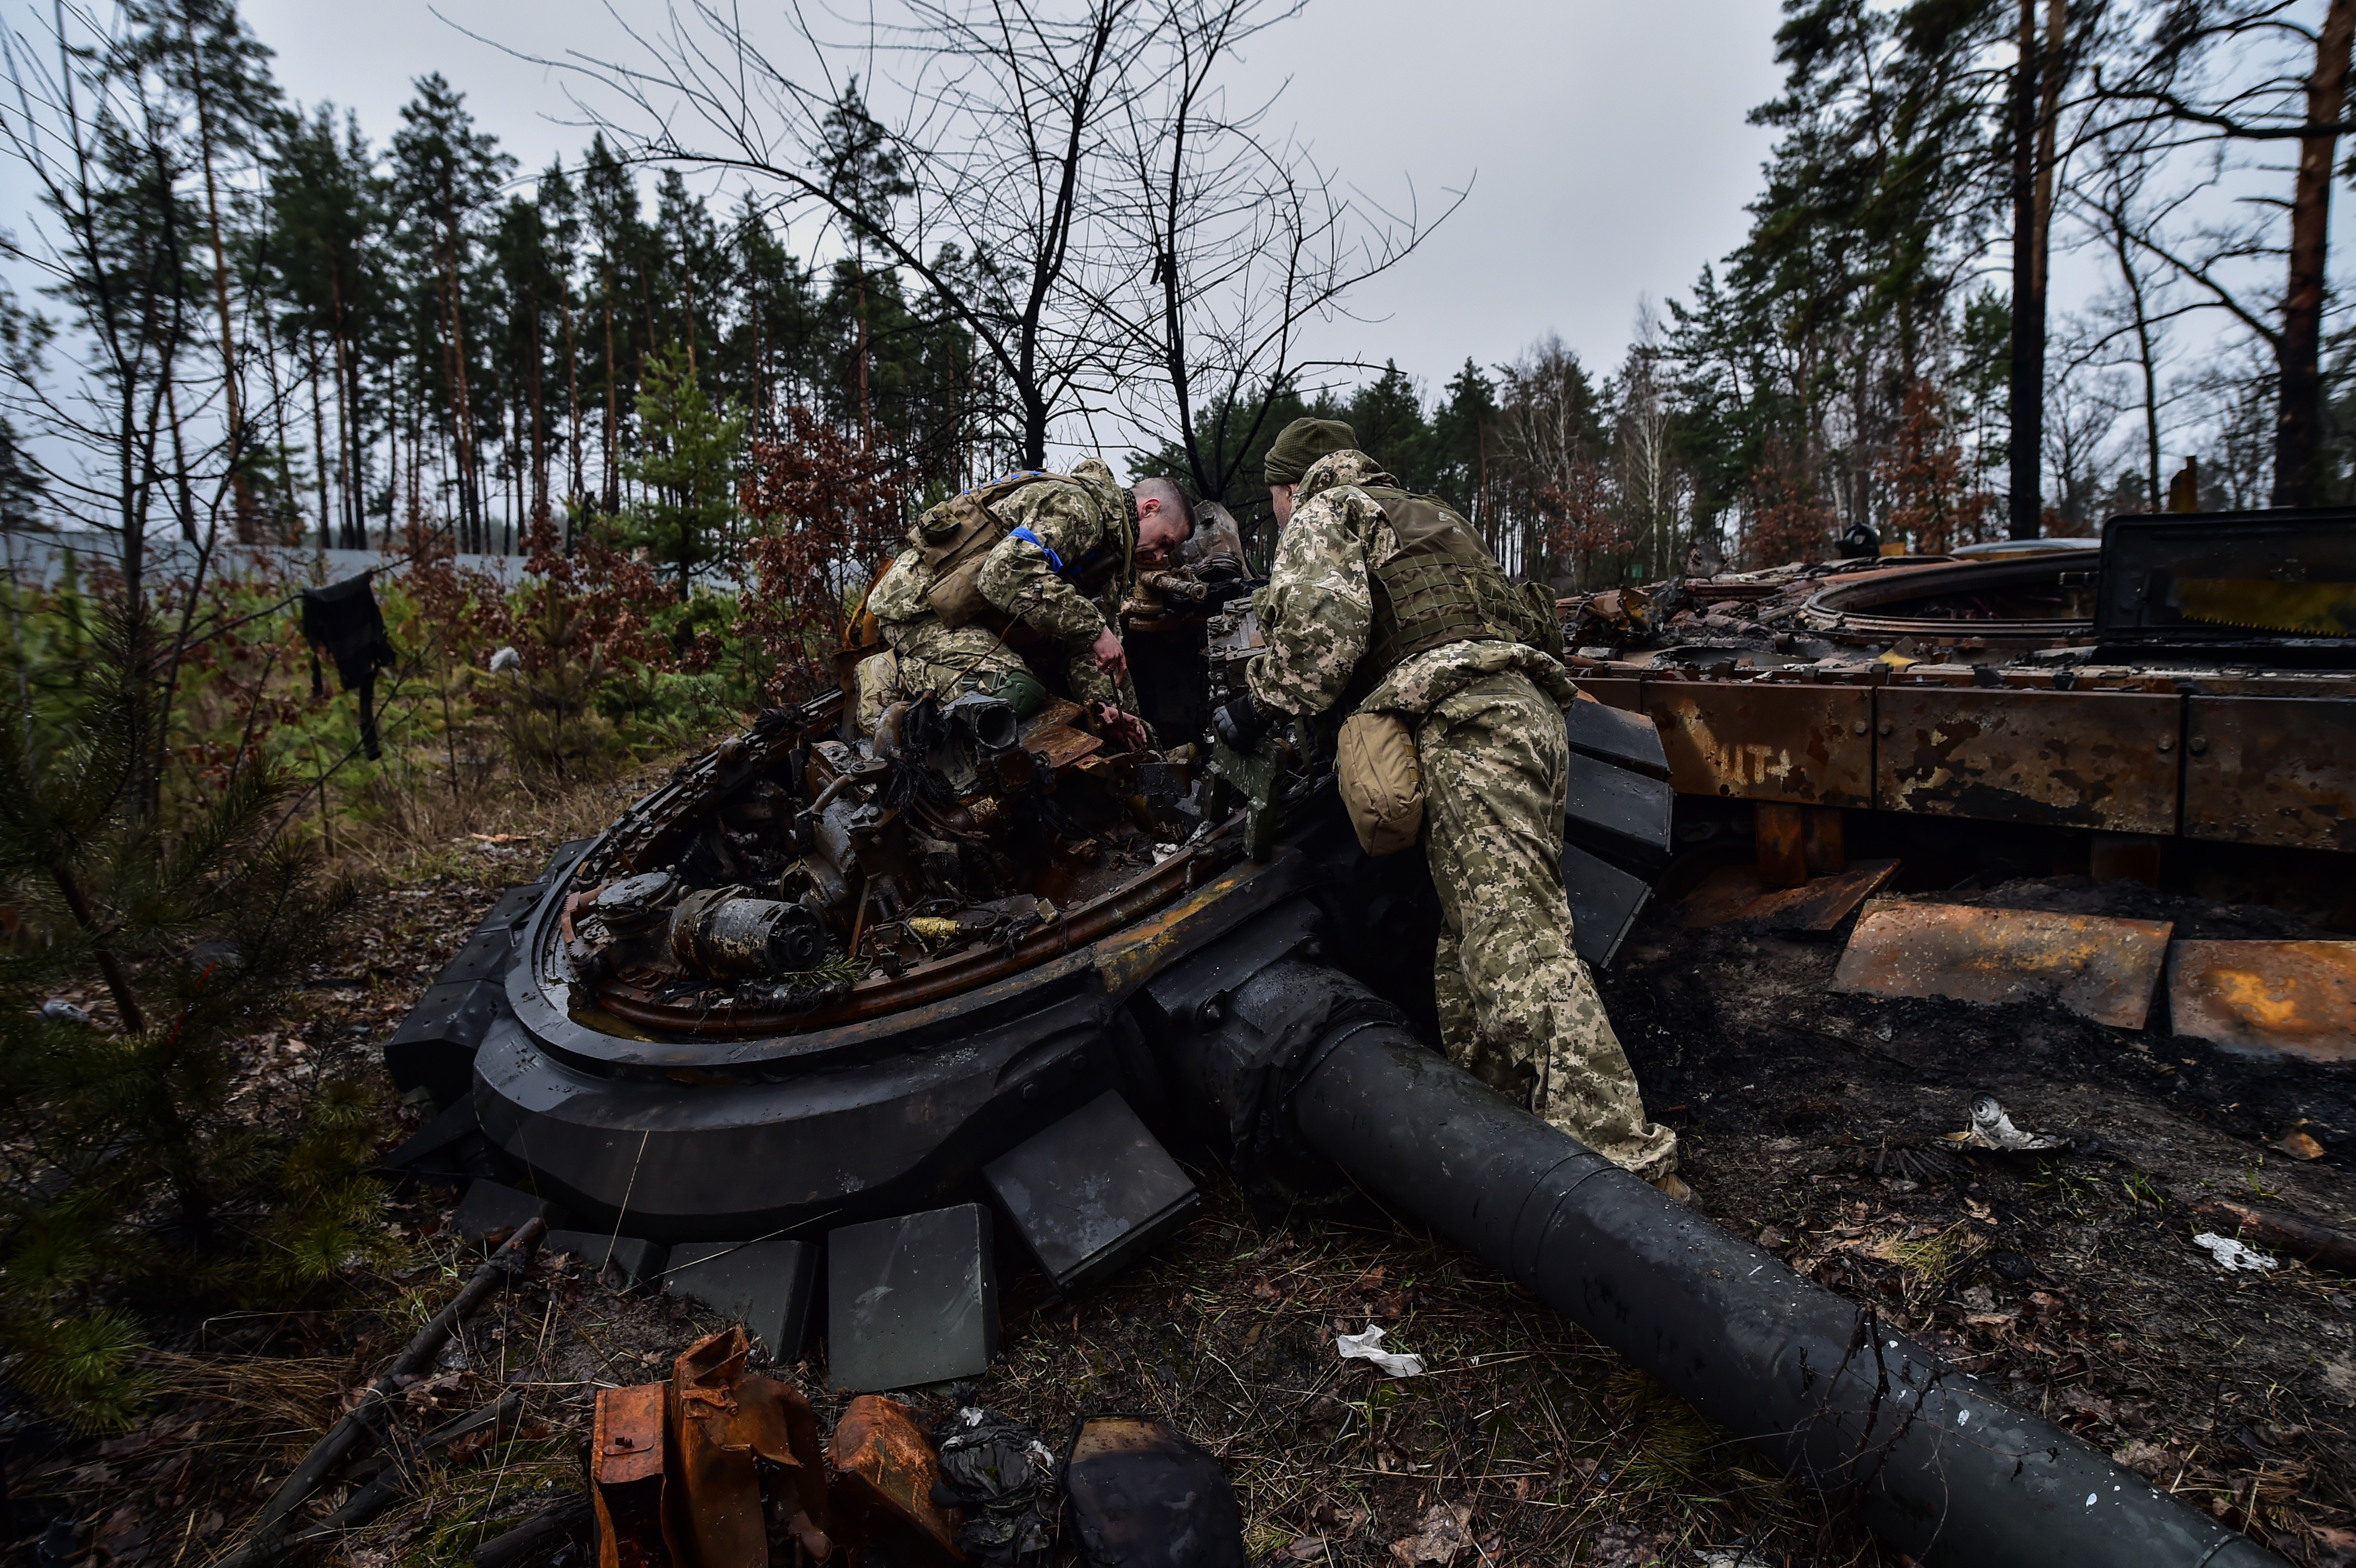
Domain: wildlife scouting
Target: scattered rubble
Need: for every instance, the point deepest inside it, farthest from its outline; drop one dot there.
(1144, 1494)
(1992, 1128)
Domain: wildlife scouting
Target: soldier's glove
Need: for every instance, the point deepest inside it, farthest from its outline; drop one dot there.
(1240, 723)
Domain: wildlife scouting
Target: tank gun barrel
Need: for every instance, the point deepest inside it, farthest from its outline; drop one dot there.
(1934, 1463)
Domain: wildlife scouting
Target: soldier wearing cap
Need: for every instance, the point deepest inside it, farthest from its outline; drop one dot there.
(1021, 568)
(1381, 603)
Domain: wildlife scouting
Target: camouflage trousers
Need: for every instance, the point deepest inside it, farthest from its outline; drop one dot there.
(1517, 1007)
(930, 656)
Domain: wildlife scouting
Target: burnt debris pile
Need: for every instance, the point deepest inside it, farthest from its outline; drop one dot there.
(829, 861)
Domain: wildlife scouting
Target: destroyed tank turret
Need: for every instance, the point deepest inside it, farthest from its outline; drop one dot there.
(1069, 955)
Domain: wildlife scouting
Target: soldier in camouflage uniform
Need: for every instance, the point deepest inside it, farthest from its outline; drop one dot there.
(1072, 543)
(1517, 1007)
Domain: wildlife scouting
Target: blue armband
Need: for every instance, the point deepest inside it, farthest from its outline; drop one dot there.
(1054, 562)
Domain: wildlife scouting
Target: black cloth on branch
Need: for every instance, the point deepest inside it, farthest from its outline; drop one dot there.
(342, 620)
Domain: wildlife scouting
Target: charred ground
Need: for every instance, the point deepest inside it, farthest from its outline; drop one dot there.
(2068, 1280)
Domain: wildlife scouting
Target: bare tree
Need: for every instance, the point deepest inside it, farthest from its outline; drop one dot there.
(1552, 434)
(2220, 73)
(114, 248)
(2038, 76)
(1652, 490)
(2082, 409)
(1222, 238)
(2117, 206)
(108, 154)
(1002, 123)
(1073, 191)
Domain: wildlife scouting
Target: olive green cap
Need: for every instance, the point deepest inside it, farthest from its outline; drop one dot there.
(1301, 443)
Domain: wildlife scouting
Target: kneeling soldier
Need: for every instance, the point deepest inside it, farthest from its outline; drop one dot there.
(1007, 569)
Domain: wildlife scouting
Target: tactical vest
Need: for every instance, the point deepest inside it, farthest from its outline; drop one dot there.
(956, 536)
(1443, 586)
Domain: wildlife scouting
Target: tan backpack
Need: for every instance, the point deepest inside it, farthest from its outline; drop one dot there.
(956, 536)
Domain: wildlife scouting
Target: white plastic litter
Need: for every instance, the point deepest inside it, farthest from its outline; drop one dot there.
(1992, 1129)
(505, 659)
(1368, 1347)
(57, 1010)
(2233, 1254)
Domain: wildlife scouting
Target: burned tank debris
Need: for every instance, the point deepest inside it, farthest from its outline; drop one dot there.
(826, 991)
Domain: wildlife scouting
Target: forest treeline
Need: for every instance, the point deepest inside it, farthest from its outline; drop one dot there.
(272, 321)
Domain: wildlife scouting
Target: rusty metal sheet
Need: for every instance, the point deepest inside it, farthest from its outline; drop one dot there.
(2297, 998)
(2271, 771)
(1777, 833)
(1062, 745)
(2101, 969)
(628, 1433)
(626, 1450)
(1736, 893)
(882, 1473)
(2081, 760)
(1625, 692)
(1808, 746)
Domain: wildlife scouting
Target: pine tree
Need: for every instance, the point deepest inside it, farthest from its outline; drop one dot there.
(685, 469)
(326, 212)
(445, 173)
(189, 921)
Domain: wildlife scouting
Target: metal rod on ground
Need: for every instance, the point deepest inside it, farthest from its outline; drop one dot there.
(559, 1521)
(392, 1485)
(266, 1539)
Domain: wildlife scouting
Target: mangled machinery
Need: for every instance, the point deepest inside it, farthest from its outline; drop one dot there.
(868, 1003)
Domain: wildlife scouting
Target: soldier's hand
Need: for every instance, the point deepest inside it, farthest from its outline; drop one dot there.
(1110, 656)
(1240, 723)
(1126, 728)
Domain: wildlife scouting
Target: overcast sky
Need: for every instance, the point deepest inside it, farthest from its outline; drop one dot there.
(1605, 140)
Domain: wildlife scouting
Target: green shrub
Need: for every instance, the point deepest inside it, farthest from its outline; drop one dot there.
(191, 917)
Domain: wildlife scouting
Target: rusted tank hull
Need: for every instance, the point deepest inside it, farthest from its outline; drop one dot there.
(2136, 754)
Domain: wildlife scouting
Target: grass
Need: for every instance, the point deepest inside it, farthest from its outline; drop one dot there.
(1928, 1263)
(1564, 1453)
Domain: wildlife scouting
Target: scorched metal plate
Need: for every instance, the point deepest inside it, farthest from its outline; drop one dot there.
(2271, 771)
(2078, 760)
(1810, 745)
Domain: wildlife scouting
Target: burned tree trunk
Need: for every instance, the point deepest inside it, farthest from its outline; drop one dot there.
(2036, 101)
(2298, 417)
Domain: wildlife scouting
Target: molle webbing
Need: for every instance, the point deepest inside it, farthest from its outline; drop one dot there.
(1442, 588)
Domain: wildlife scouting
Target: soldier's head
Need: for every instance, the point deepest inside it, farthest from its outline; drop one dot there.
(1164, 520)
(1297, 445)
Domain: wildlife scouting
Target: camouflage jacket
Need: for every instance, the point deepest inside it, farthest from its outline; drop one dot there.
(1075, 518)
(1319, 606)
